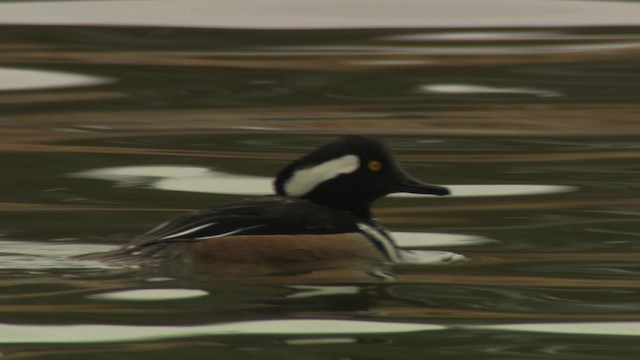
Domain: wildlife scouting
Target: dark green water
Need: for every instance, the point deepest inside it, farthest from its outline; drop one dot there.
(537, 135)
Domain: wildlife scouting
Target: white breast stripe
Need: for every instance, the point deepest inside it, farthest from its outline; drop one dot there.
(188, 231)
(305, 180)
(381, 240)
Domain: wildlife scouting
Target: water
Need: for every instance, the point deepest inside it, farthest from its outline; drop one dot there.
(114, 123)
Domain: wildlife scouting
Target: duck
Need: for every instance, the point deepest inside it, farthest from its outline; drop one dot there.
(320, 212)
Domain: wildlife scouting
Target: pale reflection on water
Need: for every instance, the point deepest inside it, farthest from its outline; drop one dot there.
(101, 333)
(270, 14)
(621, 328)
(193, 179)
(150, 295)
(39, 257)
(21, 79)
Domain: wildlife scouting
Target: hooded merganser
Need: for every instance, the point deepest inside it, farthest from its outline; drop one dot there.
(321, 212)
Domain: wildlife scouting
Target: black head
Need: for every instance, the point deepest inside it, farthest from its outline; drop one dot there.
(349, 174)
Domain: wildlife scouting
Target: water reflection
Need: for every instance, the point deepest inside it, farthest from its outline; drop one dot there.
(454, 89)
(270, 14)
(150, 295)
(194, 179)
(417, 257)
(41, 257)
(101, 333)
(429, 239)
(307, 291)
(321, 341)
(81, 333)
(483, 36)
(21, 79)
(621, 328)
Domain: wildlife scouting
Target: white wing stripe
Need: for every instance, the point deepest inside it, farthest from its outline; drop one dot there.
(227, 233)
(188, 231)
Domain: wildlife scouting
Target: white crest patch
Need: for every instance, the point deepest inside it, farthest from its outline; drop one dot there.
(305, 180)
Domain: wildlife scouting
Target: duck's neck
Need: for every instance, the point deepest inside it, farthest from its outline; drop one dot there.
(358, 209)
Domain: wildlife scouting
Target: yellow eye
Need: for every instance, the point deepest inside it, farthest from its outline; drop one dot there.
(374, 165)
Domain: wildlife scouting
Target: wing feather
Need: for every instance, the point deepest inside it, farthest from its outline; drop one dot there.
(268, 215)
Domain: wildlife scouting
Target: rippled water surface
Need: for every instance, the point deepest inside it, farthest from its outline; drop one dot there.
(114, 123)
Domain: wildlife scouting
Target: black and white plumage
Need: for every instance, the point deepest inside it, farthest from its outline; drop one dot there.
(321, 211)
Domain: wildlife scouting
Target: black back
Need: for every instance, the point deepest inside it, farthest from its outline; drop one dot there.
(267, 215)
